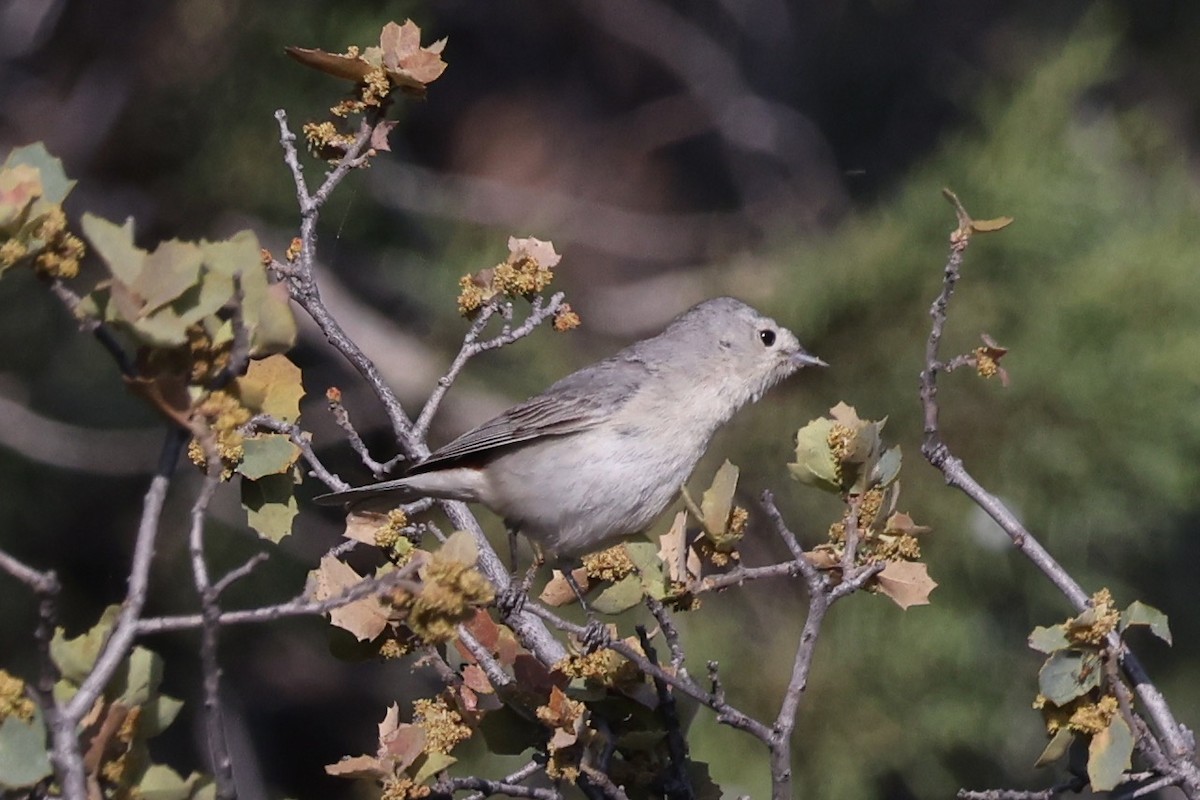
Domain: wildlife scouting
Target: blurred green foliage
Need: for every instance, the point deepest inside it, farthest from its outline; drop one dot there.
(1095, 444)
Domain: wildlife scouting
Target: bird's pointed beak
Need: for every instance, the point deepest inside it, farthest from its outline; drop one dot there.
(802, 358)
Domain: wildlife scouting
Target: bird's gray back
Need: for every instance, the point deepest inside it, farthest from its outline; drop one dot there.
(578, 402)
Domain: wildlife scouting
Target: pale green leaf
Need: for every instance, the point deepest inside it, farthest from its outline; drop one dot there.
(432, 764)
(815, 464)
(55, 183)
(621, 596)
(167, 272)
(75, 657)
(887, 468)
(1109, 755)
(1056, 748)
(1049, 640)
(163, 783)
(138, 677)
(24, 759)
(114, 244)
(267, 454)
(270, 504)
(1067, 675)
(1139, 613)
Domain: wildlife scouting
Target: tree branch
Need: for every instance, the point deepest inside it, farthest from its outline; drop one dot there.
(68, 761)
(1177, 742)
(210, 615)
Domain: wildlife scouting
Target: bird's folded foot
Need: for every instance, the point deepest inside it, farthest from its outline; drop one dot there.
(511, 599)
(595, 636)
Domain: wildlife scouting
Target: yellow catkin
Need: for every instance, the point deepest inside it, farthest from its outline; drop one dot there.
(444, 727)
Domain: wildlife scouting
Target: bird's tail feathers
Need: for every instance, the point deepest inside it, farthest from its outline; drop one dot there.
(394, 491)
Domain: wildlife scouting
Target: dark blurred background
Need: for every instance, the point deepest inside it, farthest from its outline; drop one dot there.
(789, 153)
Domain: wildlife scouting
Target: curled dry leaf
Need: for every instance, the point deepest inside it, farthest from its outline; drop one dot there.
(408, 66)
(540, 251)
(681, 561)
(558, 592)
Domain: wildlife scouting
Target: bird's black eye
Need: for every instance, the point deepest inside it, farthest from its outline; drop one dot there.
(767, 336)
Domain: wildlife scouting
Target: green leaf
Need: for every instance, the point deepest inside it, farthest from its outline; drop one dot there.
(815, 464)
(621, 596)
(138, 677)
(265, 309)
(75, 657)
(24, 759)
(270, 504)
(1057, 747)
(887, 468)
(114, 244)
(167, 273)
(157, 714)
(1049, 640)
(276, 329)
(430, 765)
(267, 454)
(644, 556)
(55, 183)
(1067, 675)
(1139, 613)
(1109, 755)
(163, 783)
(204, 299)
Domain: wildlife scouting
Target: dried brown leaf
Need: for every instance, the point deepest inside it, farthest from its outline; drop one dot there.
(365, 618)
(361, 526)
(907, 583)
(352, 68)
(558, 592)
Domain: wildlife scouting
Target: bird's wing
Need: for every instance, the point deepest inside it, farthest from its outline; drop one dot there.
(577, 402)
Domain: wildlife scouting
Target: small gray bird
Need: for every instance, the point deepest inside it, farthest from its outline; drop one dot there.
(603, 451)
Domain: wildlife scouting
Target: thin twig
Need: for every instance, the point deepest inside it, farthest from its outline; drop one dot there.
(302, 288)
(341, 416)
(68, 761)
(488, 788)
(513, 778)
(302, 285)
(1176, 742)
(670, 633)
(491, 668)
(299, 437)
(102, 332)
(726, 713)
(1148, 788)
(468, 350)
(297, 607)
(46, 587)
(679, 786)
(36, 580)
(1074, 785)
(598, 780)
(236, 574)
(210, 614)
(740, 575)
